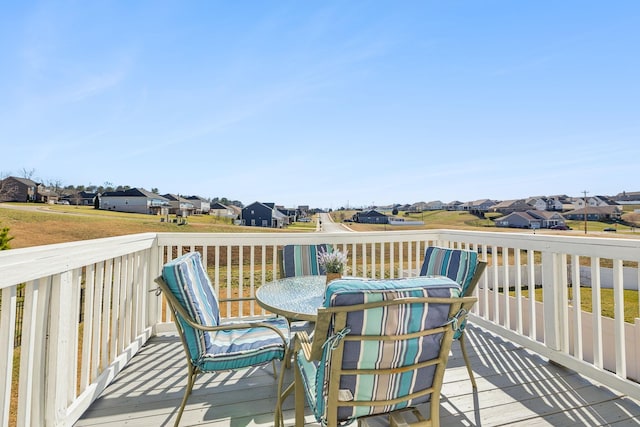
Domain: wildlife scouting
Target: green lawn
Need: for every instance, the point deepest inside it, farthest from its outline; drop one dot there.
(631, 304)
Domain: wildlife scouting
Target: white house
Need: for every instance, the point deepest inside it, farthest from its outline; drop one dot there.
(134, 200)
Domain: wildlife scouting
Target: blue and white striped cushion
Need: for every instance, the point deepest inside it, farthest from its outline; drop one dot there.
(302, 260)
(392, 320)
(457, 264)
(190, 284)
(238, 348)
(219, 350)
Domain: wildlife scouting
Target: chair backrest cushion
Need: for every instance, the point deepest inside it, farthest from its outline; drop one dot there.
(456, 264)
(393, 320)
(188, 281)
(302, 260)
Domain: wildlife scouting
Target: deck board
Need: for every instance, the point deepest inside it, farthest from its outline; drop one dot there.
(515, 387)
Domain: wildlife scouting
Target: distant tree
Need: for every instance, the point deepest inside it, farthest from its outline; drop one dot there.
(395, 211)
(55, 186)
(76, 199)
(155, 190)
(5, 238)
(28, 173)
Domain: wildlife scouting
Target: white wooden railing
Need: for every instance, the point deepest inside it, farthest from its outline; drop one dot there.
(89, 306)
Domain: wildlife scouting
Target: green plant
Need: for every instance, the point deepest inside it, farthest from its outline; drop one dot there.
(5, 238)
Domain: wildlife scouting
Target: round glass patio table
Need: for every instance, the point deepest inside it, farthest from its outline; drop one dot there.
(296, 298)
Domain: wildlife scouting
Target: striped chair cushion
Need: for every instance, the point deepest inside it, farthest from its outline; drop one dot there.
(190, 284)
(239, 348)
(302, 260)
(457, 264)
(391, 320)
(218, 350)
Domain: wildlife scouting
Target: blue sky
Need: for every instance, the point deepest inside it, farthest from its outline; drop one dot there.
(324, 103)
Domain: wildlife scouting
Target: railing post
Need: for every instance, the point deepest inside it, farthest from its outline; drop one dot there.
(7, 321)
(553, 295)
(58, 372)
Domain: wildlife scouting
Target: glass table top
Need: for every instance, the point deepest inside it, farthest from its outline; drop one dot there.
(296, 298)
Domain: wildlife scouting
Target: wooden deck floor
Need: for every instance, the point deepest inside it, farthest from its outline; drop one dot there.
(515, 388)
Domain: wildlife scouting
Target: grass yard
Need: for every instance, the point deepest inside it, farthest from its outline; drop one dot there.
(631, 303)
(47, 224)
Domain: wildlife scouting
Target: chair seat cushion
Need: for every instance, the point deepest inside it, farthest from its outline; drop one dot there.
(239, 348)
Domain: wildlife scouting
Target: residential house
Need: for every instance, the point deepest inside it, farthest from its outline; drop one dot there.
(14, 189)
(292, 214)
(179, 206)
(531, 218)
(594, 201)
(455, 205)
(509, 206)
(559, 203)
(263, 215)
(223, 211)
(371, 217)
(417, 207)
(479, 206)
(539, 203)
(81, 198)
(134, 200)
(627, 198)
(519, 219)
(201, 205)
(434, 205)
(595, 213)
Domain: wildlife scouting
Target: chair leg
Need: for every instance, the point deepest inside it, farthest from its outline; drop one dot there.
(466, 361)
(191, 379)
(278, 418)
(299, 397)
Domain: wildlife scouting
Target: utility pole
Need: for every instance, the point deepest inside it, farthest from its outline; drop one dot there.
(585, 210)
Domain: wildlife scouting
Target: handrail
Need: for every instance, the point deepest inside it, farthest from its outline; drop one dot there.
(105, 284)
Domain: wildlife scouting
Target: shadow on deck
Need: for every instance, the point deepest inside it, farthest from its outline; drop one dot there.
(515, 387)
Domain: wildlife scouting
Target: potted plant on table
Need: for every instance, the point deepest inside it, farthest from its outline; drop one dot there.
(334, 263)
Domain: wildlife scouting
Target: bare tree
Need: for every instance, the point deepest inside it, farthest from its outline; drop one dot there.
(28, 173)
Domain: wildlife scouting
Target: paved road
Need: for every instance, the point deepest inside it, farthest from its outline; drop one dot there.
(328, 226)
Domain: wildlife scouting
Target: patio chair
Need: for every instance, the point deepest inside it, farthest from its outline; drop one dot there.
(463, 267)
(210, 345)
(379, 346)
(301, 260)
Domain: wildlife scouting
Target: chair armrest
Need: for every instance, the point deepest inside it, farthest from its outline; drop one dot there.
(303, 343)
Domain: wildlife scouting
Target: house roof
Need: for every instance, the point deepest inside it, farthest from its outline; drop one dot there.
(545, 214)
(25, 181)
(371, 212)
(509, 203)
(218, 205)
(604, 210)
(133, 192)
(524, 215)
